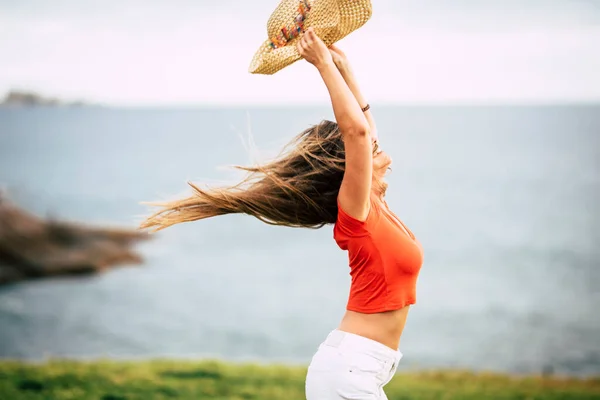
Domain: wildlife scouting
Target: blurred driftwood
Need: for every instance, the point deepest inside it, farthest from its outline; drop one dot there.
(31, 247)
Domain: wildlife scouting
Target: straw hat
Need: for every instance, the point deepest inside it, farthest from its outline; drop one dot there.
(332, 20)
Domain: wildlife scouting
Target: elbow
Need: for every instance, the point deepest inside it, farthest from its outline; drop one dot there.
(357, 131)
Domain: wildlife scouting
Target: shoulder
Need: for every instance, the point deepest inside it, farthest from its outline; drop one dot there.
(355, 227)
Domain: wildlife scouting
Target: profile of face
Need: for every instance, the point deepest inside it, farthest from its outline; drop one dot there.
(381, 161)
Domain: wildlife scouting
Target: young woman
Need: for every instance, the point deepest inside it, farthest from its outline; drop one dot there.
(333, 173)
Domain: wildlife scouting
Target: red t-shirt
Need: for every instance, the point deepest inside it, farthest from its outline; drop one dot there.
(385, 259)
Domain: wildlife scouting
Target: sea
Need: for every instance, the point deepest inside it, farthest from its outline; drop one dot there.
(505, 200)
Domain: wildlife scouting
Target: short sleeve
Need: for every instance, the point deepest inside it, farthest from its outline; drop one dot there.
(351, 226)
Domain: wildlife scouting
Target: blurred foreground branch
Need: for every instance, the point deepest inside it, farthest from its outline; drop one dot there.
(32, 248)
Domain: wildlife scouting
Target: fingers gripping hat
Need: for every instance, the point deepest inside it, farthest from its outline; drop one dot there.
(332, 20)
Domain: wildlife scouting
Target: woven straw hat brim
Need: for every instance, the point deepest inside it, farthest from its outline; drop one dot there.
(332, 20)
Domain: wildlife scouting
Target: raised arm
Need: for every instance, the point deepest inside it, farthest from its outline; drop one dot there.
(355, 190)
(341, 62)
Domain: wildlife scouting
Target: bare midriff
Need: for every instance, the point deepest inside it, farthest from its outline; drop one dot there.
(384, 327)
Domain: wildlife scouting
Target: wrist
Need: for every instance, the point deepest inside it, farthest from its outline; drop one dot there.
(325, 66)
(344, 69)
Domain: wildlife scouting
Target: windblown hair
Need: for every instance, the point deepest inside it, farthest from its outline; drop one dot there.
(298, 189)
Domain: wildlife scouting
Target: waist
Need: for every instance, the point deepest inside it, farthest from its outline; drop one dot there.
(352, 343)
(385, 328)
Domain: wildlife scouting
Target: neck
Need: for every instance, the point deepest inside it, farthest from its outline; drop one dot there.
(378, 188)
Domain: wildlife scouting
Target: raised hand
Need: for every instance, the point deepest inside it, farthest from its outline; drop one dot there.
(339, 57)
(313, 50)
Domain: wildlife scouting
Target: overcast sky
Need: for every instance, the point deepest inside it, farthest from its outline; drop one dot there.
(170, 52)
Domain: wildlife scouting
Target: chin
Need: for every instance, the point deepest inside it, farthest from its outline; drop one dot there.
(383, 171)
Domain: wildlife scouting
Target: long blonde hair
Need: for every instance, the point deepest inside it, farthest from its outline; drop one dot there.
(298, 189)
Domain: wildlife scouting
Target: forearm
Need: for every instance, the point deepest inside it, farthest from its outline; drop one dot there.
(352, 83)
(346, 107)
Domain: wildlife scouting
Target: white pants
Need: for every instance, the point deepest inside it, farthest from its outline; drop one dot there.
(350, 367)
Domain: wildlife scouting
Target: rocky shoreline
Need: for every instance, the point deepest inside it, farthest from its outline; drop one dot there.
(19, 98)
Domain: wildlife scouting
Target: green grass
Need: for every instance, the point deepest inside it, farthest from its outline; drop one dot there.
(110, 380)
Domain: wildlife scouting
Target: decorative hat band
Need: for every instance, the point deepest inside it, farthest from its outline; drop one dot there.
(288, 33)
